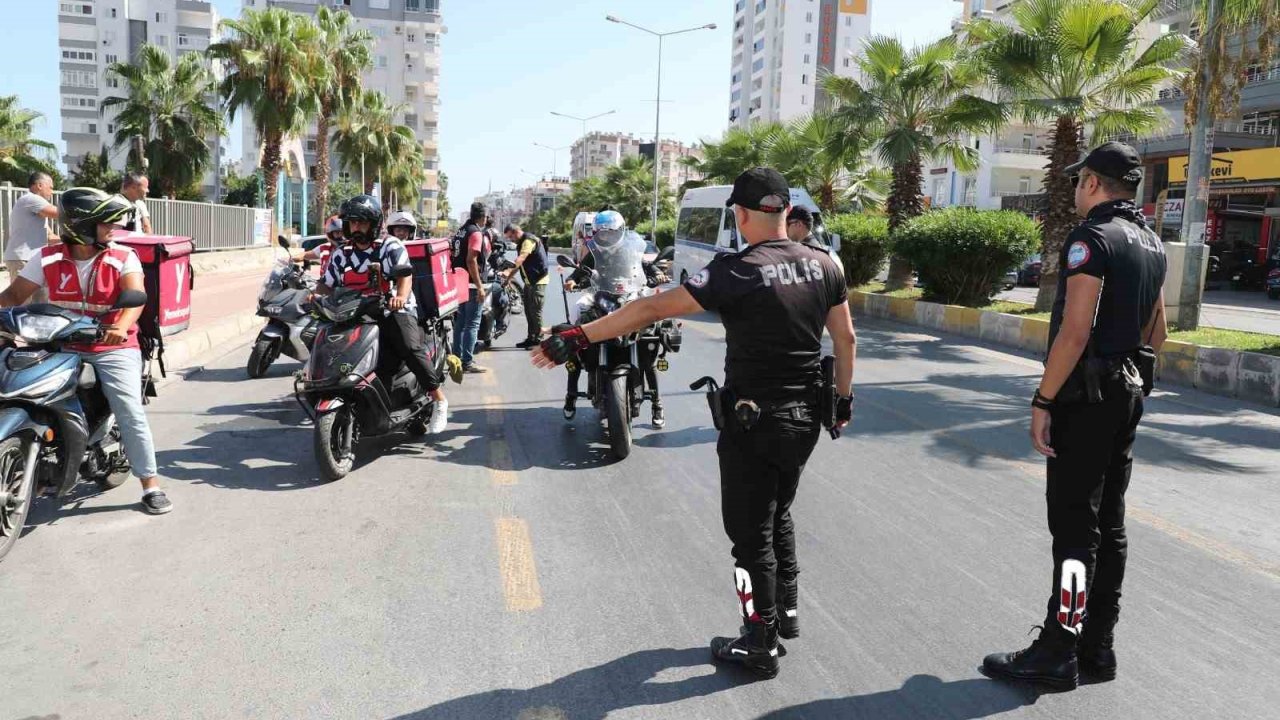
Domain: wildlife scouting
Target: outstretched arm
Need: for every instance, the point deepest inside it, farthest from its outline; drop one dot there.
(631, 317)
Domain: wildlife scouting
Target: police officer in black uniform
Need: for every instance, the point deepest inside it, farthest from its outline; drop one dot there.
(1107, 324)
(774, 298)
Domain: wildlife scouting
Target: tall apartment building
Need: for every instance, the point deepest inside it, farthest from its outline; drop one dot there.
(406, 68)
(781, 47)
(592, 155)
(93, 34)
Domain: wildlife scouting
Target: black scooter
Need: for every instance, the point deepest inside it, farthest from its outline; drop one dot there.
(342, 389)
(56, 428)
(291, 327)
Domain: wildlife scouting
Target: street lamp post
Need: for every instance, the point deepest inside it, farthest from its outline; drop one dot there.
(555, 151)
(657, 105)
(584, 121)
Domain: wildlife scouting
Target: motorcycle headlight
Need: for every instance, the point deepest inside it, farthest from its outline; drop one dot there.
(40, 328)
(46, 385)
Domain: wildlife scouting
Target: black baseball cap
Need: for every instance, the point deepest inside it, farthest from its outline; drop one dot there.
(762, 189)
(1114, 160)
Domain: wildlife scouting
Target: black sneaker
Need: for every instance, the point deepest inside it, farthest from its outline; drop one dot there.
(570, 406)
(659, 419)
(1096, 656)
(1050, 661)
(474, 369)
(528, 344)
(788, 614)
(756, 649)
(156, 503)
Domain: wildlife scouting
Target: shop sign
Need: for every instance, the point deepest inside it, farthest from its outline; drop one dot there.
(1241, 166)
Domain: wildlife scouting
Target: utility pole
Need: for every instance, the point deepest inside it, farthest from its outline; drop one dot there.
(1199, 161)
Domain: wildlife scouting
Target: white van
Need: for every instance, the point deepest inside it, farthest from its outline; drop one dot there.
(706, 227)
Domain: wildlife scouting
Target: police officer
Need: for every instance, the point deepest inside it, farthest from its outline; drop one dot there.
(800, 228)
(1107, 321)
(774, 298)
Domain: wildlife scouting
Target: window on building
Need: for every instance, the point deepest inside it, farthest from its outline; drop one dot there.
(162, 40)
(112, 59)
(429, 39)
(846, 62)
(78, 55)
(162, 17)
(939, 191)
(804, 99)
(808, 38)
(735, 96)
(344, 3)
(760, 6)
(111, 128)
(1024, 186)
(806, 58)
(412, 37)
(736, 77)
(113, 81)
(848, 21)
(93, 128)
(113, 10)
(804, 79)
(808, 17)
(79, 101)
(75, 9)
(183, 40)
(758, 45)
(413, 5)
(380, 4)
(848, 42)
(378, 31)
(757, 66)
(382, 61)
(80, 78)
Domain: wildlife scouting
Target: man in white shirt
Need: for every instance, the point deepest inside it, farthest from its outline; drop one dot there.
(135, 187)
(29, 228)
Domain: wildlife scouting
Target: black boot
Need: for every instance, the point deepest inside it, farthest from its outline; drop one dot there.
(1051, 660)
(1097, 658)
(570, 405)
(756, 649)
(788, 606)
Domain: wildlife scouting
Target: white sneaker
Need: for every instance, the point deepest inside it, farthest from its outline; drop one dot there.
(439, 417)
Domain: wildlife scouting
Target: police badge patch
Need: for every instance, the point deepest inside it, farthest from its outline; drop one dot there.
(700, 279)
(1077, 255)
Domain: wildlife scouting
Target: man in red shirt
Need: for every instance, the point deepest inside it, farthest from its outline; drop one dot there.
(470, 248)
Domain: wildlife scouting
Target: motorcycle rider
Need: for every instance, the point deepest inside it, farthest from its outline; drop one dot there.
(322, 252)
(87, 257)
(610, 232)
(379, 266)
(402, 226)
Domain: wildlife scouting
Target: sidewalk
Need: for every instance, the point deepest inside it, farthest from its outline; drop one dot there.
(1249, 311)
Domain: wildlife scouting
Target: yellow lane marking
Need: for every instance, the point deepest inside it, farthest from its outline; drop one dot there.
(501, 466)
(515, 561)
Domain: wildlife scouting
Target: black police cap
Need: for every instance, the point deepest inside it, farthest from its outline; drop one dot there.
(762, 189)
(1114, 160)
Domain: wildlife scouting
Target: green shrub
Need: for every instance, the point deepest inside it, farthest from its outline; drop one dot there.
(962, 253)
(864, 245)
(666, 236)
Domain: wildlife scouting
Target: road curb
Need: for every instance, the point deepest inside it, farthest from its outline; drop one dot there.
(1251, 377)
(186, 353)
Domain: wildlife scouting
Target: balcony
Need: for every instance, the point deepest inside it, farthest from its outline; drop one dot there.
(1019, 158)
(1261, 91)
(1227, 136)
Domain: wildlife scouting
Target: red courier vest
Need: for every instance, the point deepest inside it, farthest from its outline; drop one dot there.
(62, 281)
(364, 281)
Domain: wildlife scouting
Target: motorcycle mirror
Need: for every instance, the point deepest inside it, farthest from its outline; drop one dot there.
(665, 254)
(130, 299)
(566, 262)
(283, 242)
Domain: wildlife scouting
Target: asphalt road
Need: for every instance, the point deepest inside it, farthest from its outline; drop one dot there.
(1247, 310)
(509, 569)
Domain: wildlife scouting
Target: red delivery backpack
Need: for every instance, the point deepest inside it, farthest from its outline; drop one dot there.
(435, 280)
(167, 273)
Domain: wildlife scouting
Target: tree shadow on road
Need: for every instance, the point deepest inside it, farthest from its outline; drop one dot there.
(594, 693)
(921, 697)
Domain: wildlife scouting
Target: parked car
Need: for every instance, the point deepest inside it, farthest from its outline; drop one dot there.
(1029, 273)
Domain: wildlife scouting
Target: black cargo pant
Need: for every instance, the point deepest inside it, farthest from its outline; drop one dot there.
(403, 339)
(1085, 493)
(534, 295)
(759, 473)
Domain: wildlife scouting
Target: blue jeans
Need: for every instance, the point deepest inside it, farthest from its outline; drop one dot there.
(120, 376)
(466, 329)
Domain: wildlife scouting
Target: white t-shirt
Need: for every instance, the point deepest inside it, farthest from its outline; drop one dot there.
(34, 271)
(140, 212)
(27, 230)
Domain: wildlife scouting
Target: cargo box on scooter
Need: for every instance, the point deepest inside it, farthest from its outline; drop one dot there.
(166, 267)
(437, 286)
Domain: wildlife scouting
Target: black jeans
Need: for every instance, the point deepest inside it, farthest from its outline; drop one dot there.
(1085, 493)
(534, 295)
(404, 340)
(759, 473)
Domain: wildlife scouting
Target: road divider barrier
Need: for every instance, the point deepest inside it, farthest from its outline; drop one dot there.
(1252, 377)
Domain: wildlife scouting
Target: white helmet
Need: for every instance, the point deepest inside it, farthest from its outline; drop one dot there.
(402, 218)
(610, 228)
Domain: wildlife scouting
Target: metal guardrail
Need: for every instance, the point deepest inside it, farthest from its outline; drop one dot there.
(211, 227)
(1019, 150)
(1220, 127)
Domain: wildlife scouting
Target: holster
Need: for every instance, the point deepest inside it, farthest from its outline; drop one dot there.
(827, 394)
(1145, 359)
(716, 399)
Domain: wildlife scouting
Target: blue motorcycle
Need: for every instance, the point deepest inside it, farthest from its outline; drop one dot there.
(56, 428)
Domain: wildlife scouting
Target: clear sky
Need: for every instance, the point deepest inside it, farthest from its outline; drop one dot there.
(507, 64)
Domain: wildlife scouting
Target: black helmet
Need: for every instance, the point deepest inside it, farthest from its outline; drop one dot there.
(82, 209)
(361, 207)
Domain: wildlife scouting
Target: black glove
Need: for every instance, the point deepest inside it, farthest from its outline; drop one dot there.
(844, 409)
(564, 345)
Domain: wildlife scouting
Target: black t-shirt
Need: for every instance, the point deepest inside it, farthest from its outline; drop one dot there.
(1115, 245)
(773, 299)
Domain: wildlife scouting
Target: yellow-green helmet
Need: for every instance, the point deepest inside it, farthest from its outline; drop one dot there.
(82, 209)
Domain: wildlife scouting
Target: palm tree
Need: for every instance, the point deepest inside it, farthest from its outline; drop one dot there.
(346, 50)
(920, 99)
(20, 152)
(168, 109)
(271, 70)
(828, 157)
(628, 186)
(741, 148)
(1077, 64)
(368, 138)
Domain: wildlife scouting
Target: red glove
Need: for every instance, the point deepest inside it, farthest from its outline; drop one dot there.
(563, 346)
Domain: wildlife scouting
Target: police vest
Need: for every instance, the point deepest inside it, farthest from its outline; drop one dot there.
(62, 280)
(535, 265)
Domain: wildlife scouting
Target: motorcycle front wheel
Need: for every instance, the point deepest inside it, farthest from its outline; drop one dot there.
(260, 359)
(16, 492)
(335, 443)
(617, 410)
